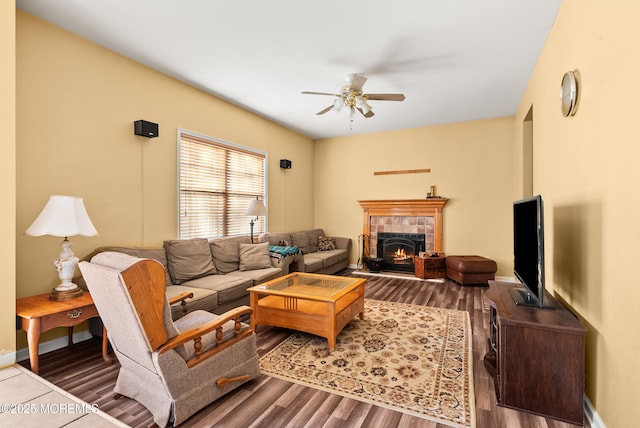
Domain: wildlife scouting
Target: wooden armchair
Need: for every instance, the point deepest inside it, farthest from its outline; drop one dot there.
(173, 368)
(182, 298)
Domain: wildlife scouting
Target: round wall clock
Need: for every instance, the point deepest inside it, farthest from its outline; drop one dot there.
(569, 94)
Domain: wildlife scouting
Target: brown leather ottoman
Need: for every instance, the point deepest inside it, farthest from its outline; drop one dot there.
(467, 270)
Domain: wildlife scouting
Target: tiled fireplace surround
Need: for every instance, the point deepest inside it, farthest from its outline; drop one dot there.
(403, 216)
(400, 224)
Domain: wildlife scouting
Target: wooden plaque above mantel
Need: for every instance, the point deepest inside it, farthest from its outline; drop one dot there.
(429, 207)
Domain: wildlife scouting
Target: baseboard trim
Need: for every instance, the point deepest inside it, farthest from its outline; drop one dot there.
(591, 414)
(52, 345)
(7, 359)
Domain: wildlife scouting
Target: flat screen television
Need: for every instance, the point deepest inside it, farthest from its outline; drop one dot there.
(528, 252)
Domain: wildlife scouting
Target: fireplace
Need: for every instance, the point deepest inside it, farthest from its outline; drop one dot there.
(398, 250)
(401, 216)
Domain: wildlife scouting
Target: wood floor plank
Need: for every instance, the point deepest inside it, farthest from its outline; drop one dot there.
(272, 402)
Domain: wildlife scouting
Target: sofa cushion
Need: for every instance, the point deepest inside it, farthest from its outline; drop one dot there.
(202, 299)
(258, 276)
(226, 252)
(326, 243)
(188, 259)
(314, 236)
(254, 256)
(328, 258)
(275, 238)
(229, 287)
(300, 240)
(312, 264)
(341, 254)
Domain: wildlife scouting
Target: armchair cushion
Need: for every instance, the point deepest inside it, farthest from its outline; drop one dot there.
(189, 259)
(196, 319)
(254, 256)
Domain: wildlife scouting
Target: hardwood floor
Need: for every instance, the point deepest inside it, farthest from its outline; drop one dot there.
(269, 402)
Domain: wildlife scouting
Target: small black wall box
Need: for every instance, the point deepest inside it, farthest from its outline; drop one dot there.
(145, 129)
(285, 163)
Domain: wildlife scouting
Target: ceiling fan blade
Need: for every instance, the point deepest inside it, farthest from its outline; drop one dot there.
(325, 110)
(368, 114)
(319, 93)
(385, 97)
(357, 81)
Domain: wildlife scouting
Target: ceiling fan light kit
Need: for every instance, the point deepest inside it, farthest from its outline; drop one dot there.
(353, 98)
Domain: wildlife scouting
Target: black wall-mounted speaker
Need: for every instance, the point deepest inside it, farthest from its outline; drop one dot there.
(285, 163)
(145, 129)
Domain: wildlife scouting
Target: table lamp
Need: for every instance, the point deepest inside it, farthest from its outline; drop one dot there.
(257, 209)
(64, 216)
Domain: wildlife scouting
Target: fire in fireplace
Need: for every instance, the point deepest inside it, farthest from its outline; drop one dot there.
(398, 250)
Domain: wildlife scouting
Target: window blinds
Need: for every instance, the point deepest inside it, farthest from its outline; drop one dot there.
(217, 182)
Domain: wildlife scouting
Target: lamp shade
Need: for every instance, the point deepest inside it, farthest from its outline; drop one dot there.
(63, 216)
(256, 208)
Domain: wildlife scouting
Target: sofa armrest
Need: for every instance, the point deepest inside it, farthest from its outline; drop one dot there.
(279, 261)
(284, 262)
(343, 243)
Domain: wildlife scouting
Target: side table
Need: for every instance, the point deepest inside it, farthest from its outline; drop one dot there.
(430, 267)
(39, 314)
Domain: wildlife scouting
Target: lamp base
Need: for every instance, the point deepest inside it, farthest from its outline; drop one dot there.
(61, 296)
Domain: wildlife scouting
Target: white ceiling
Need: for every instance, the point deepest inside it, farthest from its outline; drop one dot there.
(455, 60)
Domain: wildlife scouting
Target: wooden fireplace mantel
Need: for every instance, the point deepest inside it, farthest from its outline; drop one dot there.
(429, 207)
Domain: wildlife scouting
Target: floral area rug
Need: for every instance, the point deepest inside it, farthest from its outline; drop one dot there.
(410, 358)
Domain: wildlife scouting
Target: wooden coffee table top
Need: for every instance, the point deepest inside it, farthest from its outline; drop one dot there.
(309, 286)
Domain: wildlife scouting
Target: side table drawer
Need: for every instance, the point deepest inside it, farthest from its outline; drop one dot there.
(68, 318)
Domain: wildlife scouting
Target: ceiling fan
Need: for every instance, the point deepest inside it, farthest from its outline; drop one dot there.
(352, 97)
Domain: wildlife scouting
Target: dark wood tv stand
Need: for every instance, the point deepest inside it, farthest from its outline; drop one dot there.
(535, 356)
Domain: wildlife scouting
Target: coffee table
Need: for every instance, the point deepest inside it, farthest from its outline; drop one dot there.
(313, 303)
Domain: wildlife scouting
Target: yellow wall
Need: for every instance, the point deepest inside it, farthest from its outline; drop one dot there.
(471, 164)
(587, 169)
(8, 180)
(76, 106)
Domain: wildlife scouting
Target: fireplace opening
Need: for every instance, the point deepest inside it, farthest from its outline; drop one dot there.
(398, 250)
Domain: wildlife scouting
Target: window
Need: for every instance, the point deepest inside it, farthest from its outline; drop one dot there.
(217, 182)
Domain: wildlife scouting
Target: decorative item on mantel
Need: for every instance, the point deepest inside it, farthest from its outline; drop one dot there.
(64, 216)
(432, 193)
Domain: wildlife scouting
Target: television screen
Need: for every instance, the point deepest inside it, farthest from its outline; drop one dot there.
(528, 250)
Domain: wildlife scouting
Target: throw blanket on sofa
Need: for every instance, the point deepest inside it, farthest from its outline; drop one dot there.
(279, 251)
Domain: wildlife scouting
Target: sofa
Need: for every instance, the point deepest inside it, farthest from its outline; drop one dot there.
(319, 253)
(217, 272)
